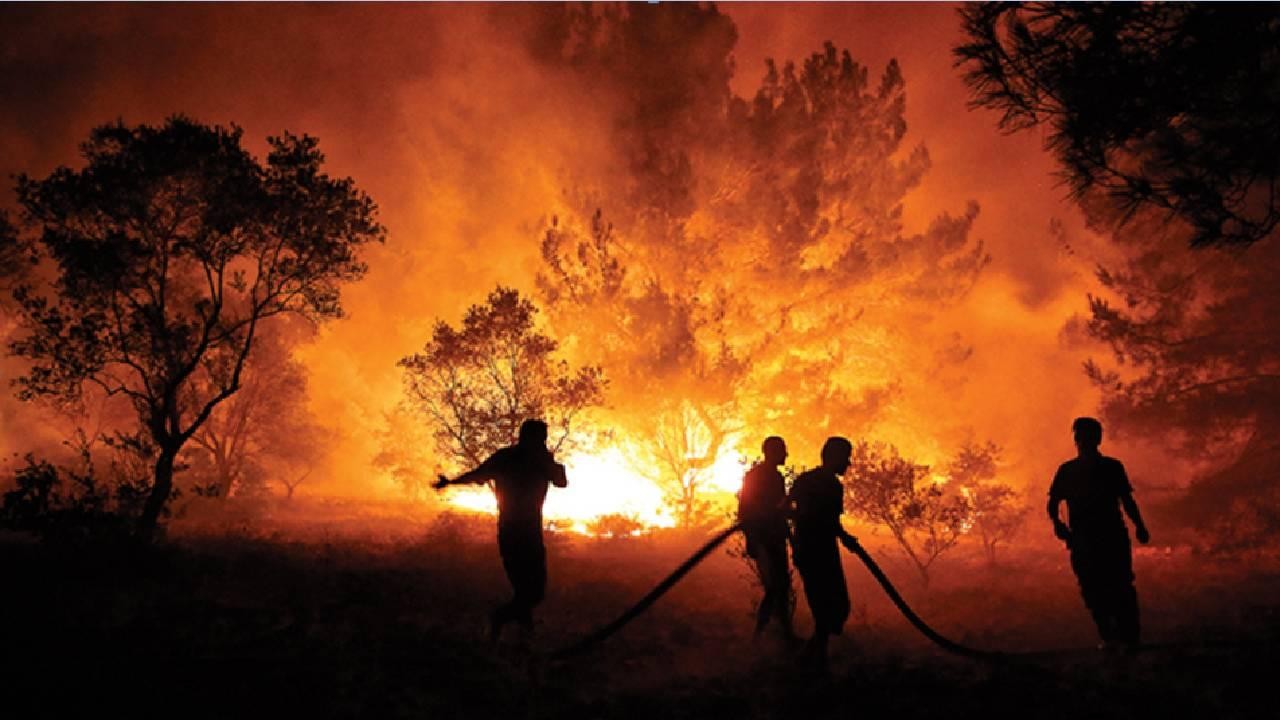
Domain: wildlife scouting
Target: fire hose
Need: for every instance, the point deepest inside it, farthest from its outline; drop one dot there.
(605, 631)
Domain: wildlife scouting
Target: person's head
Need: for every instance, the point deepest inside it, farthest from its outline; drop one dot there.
(533, 433)
(837, 454)
(775, 450)
(1087, 432)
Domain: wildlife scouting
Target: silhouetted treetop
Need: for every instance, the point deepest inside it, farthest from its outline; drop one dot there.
(478, 382)
(1167, 106)
(164, 253)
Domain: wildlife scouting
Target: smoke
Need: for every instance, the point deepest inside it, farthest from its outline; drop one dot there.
(468, 125)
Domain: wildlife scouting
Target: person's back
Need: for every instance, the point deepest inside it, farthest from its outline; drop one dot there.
(819, 501)
(1095, 488)
(762, 512)
(521, 475)
(760, 503)
(1092, 486)
(818, 497)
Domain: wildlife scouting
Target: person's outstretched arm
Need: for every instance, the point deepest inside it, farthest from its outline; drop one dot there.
(1131, 509)
(482, 474)
(558, 477)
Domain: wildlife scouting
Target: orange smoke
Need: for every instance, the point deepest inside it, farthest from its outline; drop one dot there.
(454, 121)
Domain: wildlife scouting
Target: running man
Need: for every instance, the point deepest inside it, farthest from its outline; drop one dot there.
(520, 474)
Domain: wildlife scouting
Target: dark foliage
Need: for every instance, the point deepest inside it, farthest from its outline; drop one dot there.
(166, 251)
(1152, 106)
(475, 384)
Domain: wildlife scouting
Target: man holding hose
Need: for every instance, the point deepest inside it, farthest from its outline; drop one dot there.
(818, 497)
(763, 514)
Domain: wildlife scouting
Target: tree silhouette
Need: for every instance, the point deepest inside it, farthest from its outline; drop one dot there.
(997, 509)
(924, 518)
(167, 251)
(264, 427)
(477, 383)
(1194, 369)
(405, 452)
(1157, 106)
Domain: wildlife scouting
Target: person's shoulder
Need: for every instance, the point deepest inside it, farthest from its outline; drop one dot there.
(1115, 471)
(769, 471)
(505, 455)
(809, 477)
(1112, 462)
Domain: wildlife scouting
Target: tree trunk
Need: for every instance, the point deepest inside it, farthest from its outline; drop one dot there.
(159, 493)
(226, 478)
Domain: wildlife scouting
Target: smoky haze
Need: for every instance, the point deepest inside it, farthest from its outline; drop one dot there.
(466, 128)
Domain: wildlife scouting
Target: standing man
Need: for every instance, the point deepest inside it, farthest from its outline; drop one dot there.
(520, 474)
(762, 512)
(818, 496)
(1095, 487)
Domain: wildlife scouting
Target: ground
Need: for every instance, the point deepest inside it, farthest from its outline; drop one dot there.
(385, 618)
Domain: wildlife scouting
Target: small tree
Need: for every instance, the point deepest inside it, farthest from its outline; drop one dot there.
(263, 428)
(166, 252)
(685, 443)
(405, 452)
(292, 485)
(998, 510)
(477, 383)
(925, 518)
(615, 525)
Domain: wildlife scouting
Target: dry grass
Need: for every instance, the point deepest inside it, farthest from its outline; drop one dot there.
(341, 610)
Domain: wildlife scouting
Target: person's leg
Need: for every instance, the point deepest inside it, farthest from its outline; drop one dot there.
(811, 582)
(1128, 629)
(507, 611)
(829, 603)
(528, 574)
(1093, 590)
(780, 580)
(766, 568)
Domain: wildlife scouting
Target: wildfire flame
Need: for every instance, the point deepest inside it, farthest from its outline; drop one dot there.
(606, 482)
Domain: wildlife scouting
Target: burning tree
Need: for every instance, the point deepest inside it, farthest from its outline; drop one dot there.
(477, 383)
(686, 442)
(167, 251)
(925, 518)
(755, 266)
(998, 512)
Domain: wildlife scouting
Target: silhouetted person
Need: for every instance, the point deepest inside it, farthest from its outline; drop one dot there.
(763, 513)
(1095, 487)
(520, 475)
(818, 496)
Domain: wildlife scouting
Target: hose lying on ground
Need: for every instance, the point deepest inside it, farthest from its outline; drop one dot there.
(604, 632)
(658, 591)
(919, 624)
